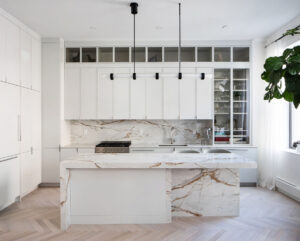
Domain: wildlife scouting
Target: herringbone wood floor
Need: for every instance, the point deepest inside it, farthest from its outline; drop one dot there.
(265, 215)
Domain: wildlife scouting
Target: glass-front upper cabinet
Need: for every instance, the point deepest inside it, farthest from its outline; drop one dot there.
(240, 106)
(105, 54)
(222, 54)
(122, 54)
(222, 95)
(140, 54)
(231, 105)
(89, 55)
(154, 54)
(72, 55)
(241, 54)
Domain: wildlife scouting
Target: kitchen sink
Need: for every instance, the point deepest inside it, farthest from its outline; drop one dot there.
(187, 151)
(209, 150)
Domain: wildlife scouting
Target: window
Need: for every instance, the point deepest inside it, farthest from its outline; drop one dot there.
(294, 124)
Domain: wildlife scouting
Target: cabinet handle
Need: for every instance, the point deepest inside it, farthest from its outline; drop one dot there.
(202, 76)
(31, 150)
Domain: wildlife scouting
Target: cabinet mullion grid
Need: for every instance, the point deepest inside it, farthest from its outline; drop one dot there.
(231, 105)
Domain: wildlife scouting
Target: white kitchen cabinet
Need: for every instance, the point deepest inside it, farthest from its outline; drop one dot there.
(36, 64)
(137, 97)
(121, 98)
(2, 48)
(36, 119)
(204, 93)
(154, 98)
(10, 181)
(26, 61)
(171, 95)
(12, 53)
(187, 94)
(10, 119)
(26, 120)
(105, 94)
(88, 94)
(72, 93)
(27, 173)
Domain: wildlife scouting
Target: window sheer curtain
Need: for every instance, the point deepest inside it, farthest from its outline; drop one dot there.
(272, 131)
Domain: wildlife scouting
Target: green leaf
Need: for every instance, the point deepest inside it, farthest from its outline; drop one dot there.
(277, 93)
(287, 52)
(288, 96)
(296, 101)
(293, 68)
(294, 58)
(297, 49)
(267, 96)
(273, 63)
(275, 76)
(265, 76)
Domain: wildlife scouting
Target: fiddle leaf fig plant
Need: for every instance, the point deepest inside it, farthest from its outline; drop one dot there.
(285, 68)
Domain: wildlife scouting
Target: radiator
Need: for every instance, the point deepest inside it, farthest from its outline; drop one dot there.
(288, 188)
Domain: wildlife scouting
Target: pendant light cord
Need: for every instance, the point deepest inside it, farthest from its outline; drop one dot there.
(179, 49)
(133, 43)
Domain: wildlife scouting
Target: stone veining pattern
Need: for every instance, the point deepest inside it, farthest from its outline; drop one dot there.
(141, 131)
(205, 192)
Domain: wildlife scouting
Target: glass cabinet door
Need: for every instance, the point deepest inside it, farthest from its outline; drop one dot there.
(222, 97)
(240, 106)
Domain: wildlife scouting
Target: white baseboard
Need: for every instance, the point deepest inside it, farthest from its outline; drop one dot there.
(288, 188)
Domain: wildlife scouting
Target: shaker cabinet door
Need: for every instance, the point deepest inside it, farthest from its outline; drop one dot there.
(171, 95)
(72, 93)
(10, 119)
(36, 64)
(105, 94)
(188, 94)
(2, 48)
(88, 96)
(12, 53)
(138, 97)
(26, 60)
(121, 98)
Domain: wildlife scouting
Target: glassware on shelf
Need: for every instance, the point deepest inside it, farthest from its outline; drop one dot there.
(222, 106)
(241, 106)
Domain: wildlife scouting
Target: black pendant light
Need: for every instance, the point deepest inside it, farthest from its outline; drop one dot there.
(179, 45)
(134, 11)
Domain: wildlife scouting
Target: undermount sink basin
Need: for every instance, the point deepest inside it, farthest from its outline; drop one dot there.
(208, 150)
(188, 151)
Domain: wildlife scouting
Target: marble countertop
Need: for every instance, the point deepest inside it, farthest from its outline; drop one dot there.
(159, 160)
(153, 145)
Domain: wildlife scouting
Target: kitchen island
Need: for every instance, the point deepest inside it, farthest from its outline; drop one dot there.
(149, 188)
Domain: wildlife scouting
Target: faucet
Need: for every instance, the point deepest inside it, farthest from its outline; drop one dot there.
(172, 135)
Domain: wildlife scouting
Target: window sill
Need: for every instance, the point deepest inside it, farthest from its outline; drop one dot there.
(292, 151)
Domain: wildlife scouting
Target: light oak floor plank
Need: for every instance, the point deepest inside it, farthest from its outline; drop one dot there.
(264, 216)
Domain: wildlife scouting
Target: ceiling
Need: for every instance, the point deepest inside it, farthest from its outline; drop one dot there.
(157, 19)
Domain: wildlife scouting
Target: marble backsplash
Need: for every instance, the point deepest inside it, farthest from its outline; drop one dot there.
(142, 131)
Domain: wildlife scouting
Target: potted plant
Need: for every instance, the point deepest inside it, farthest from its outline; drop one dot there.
(284, 68)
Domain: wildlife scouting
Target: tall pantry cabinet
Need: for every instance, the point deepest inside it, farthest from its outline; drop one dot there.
(20, 109)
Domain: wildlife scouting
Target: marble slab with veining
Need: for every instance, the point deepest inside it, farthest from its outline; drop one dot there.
(175, 184)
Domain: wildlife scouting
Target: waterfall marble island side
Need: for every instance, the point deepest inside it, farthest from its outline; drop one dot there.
(149, 188)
